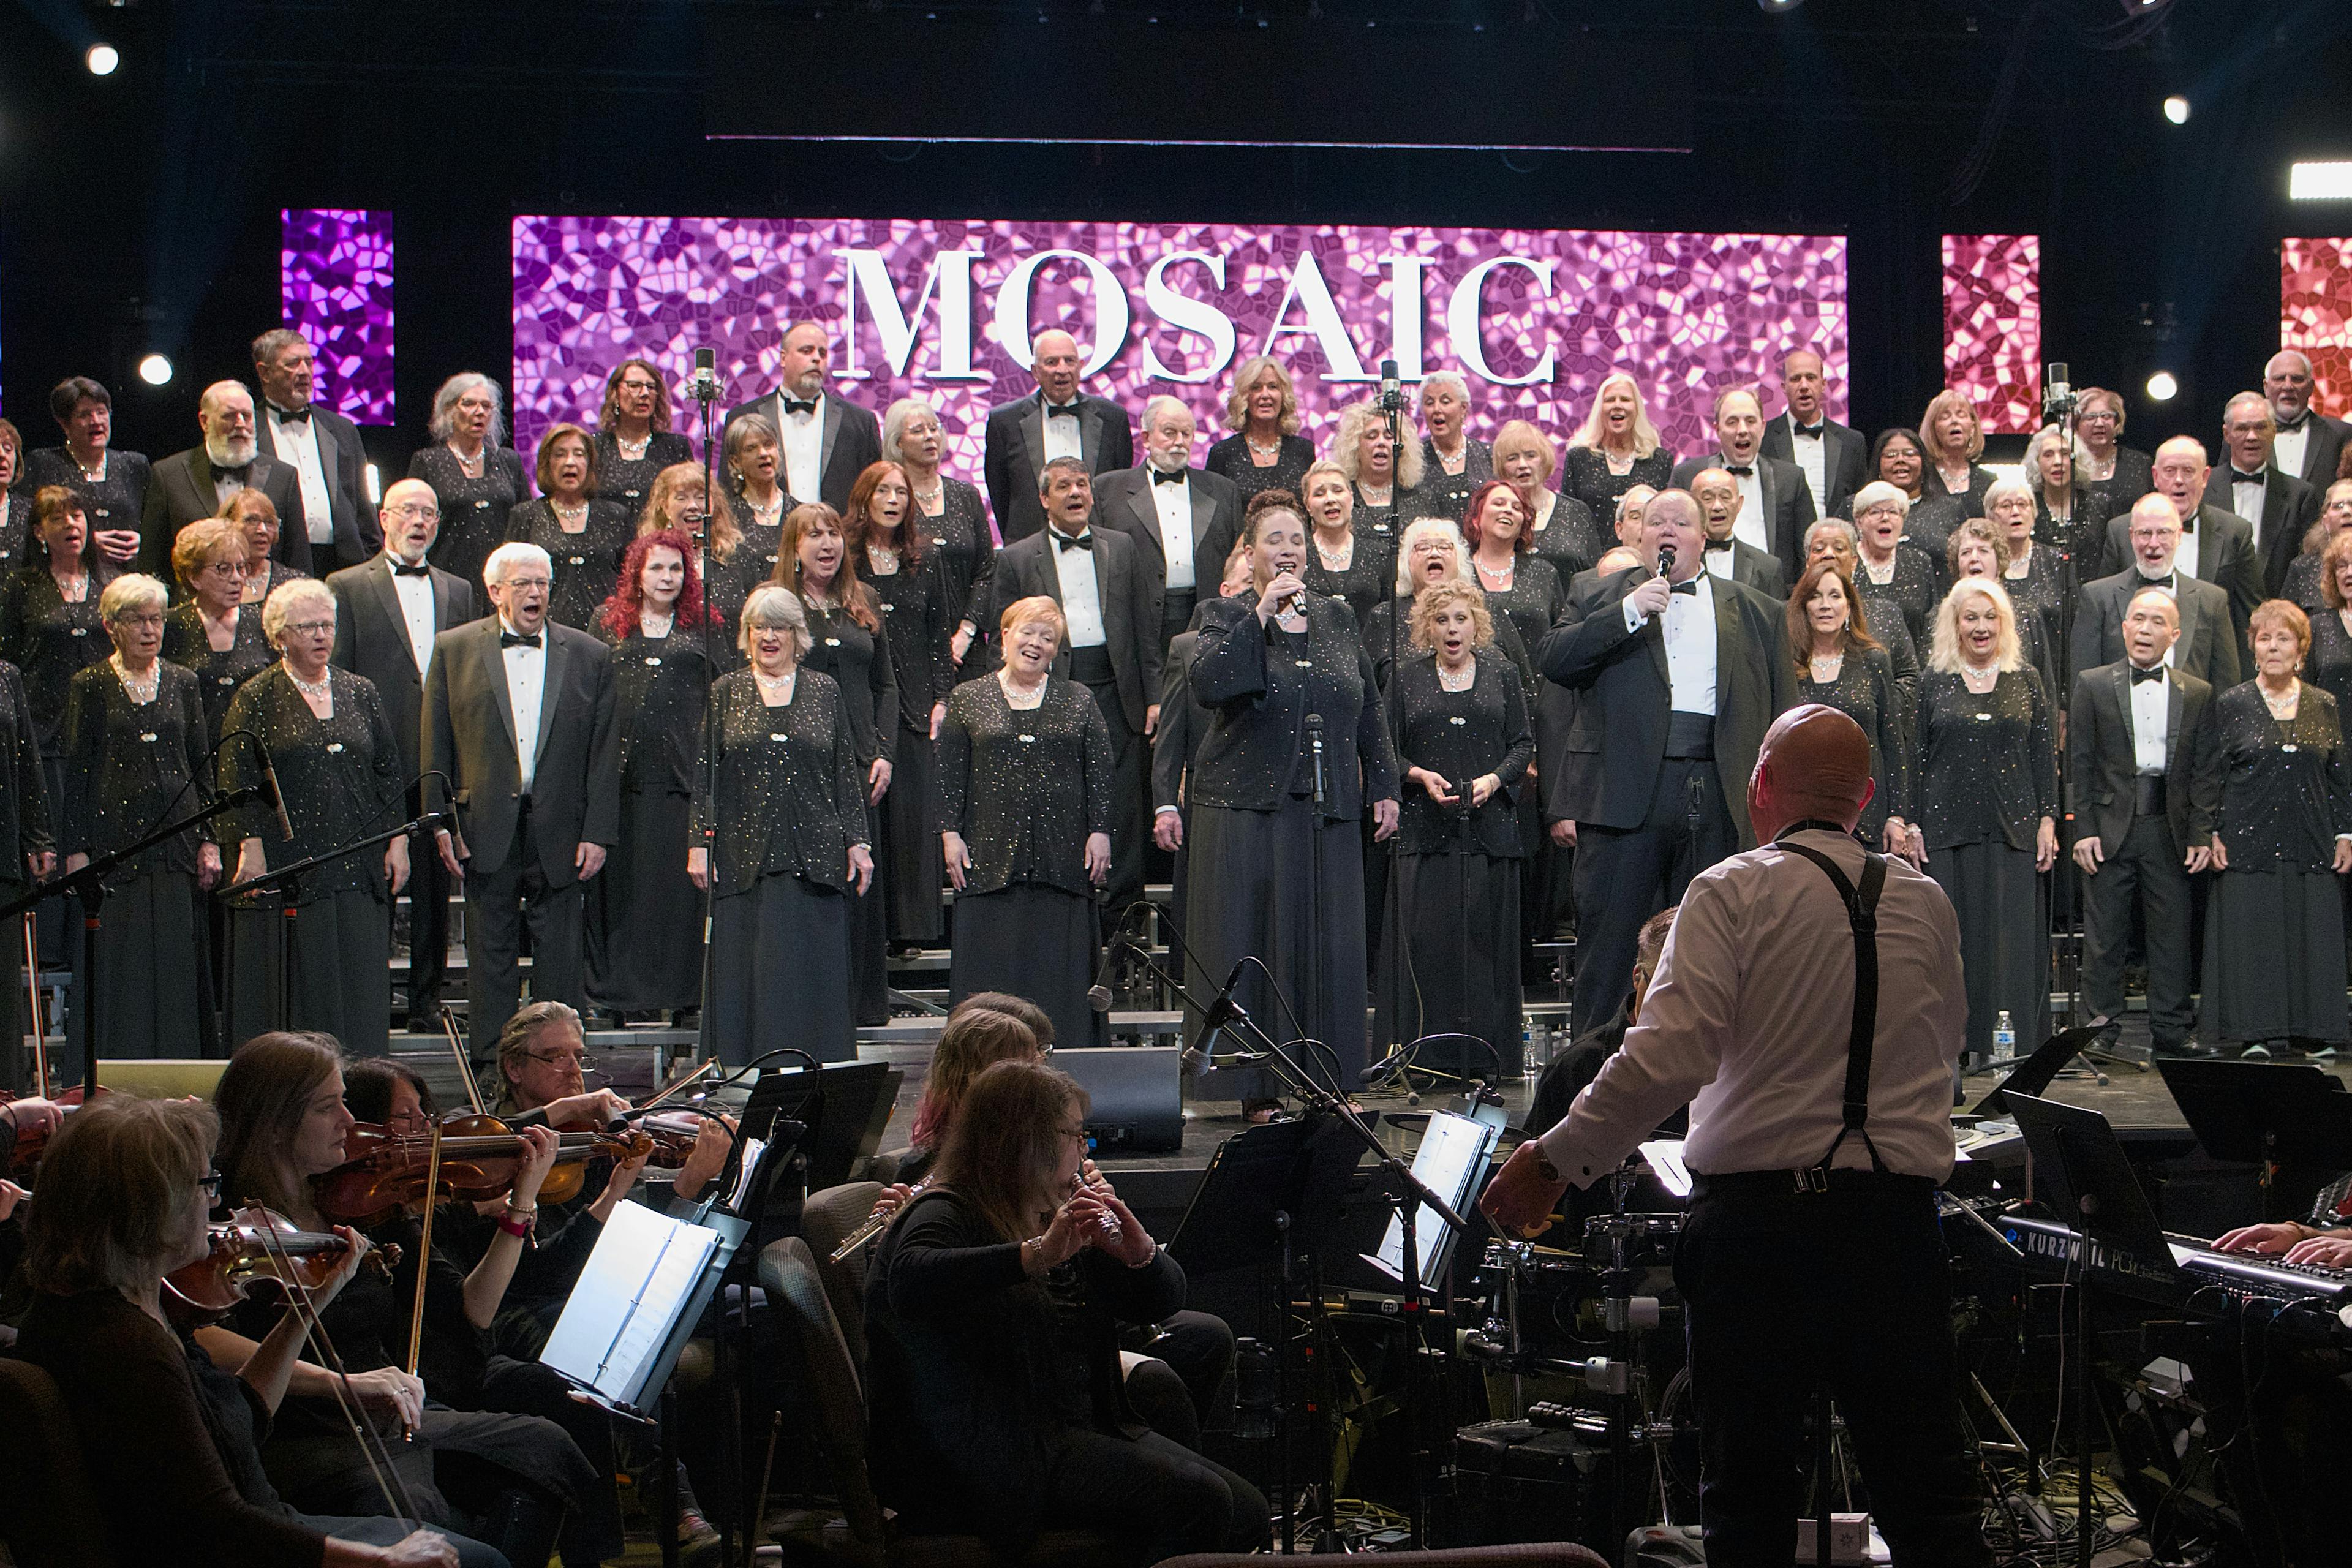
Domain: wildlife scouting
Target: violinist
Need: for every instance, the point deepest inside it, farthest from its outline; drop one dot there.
(543, 1074)
(169, 1439)
(509, 1479)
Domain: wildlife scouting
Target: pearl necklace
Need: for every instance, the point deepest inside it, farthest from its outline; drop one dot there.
(1980, 681)
(622, 443)
(321, 688)
(1265, 448)
(780, 684)
(1022, 698)
(1339, 561)
(142, 688)
(2284, 707)
(570, 519)
(1457, 679)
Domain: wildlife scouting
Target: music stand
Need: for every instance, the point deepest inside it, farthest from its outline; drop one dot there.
(1266, 1189)
(2265, 1114)
(2040, 1070)
(845, 1107)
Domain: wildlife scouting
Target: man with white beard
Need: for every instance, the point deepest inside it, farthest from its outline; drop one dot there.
(189, 485)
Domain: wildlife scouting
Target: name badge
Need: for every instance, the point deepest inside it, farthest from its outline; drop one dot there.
(833, 642)
(334, 747)
(1028, 740)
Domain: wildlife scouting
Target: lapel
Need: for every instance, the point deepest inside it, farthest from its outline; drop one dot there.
(444, 601)
(558, 659)
(2208, 543)
(494, 665)
(1033, 436)
(2175, 699)
(1767, 501)
(1205, 513)
(387, 600)
(2121, 684)
(1049, 574)
(1110, 586)
(200, 469)
(832, 431)
(1147, 512)
(1089, 432)
(1727, 630)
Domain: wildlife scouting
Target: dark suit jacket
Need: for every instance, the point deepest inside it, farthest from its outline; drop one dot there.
(1755, 569)
(372, 640)
(2289, 509)
(470, 735)
(2100, 765)
(2323, 450)
(1845, 457)
(343, 461)
(852, 442)
(1016, 455)
(1123, 501)
(1788, 504)
(1623, 674)
(2225, 555)
(179, 492)
(1130, 609)
(2208, 647)
(1183, 723)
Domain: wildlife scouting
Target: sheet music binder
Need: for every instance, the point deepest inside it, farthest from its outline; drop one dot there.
(644, 1290)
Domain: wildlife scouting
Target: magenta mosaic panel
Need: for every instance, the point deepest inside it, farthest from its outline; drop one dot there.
(335, 273)
(1992, 327)
(2315, 314)
(1533, 319)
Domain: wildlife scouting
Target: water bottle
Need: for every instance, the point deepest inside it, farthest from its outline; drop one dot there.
(2004, 1040)
(1530, 1065)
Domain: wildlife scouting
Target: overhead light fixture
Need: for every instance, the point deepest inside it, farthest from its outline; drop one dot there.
(155, 370)
(103, 59)
(2163, 386)
(2176, 109)
(2320, 181)
(1775, 8)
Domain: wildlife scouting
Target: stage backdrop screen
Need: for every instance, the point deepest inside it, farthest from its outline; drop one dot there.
(1532, 318)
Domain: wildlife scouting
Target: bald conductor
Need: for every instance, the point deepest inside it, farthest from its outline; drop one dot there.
(1810, 1009)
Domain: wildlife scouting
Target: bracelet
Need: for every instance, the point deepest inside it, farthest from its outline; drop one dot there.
(525, 1211)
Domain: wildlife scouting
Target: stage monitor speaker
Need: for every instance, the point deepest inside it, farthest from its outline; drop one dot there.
(1138, 1093)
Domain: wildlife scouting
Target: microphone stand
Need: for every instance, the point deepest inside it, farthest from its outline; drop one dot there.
(705, 391)
(1392, 896)
(1315, 879)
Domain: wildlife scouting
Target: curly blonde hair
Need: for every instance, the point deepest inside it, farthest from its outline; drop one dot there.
(1440, 596)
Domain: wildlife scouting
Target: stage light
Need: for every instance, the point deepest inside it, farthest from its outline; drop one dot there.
(155, 370)
(103, 59)
(1774, 7)
(2176, 109)
(2320, 181)
(2162, 386)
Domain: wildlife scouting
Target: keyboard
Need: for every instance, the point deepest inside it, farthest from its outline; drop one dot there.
(2051, 1250)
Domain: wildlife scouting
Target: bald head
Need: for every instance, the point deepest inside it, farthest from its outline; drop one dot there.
(1815, 761)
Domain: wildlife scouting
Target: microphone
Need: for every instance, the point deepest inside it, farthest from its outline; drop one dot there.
(1298, 603)
(1667, 561)
(1391, 387)
(277, 796)
(1198, 1058)
(1315, 741)
(704, 387)
(1098, 994)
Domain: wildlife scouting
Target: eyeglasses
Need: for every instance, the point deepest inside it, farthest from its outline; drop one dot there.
(209, 1184)
(1075, 1134)
(425, 510)
(640, 386)
(559, 1059)
(139, 620)
(2096, 416)
(311, 629)
(526, 582)
(225, 569)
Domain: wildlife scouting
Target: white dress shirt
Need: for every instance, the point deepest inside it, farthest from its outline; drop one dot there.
(415, 595)
(297, 444)
(1690, 646)
(2184, 559)
(2246, 499)
(1749, 525)
(1813, 458)
(2151, 705)
(1081, 592)
(1062, 436)
(803, 436)
(1720, 563)
(2289, 447)
(526, 687)
(1174, 505)
(1749, 1018)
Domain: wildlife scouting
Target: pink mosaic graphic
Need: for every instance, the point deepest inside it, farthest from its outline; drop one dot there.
(335, 275)
(1533, 319)
(2315, 314)
(1992, 327)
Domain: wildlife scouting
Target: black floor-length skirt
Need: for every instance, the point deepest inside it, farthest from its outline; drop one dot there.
(2004, 939)
(1255, 890)
(1454, 967)
(1037, 942)
(907, 862)
(339, 984)
(869, 938)
(645, 921)
(153, 988)
(2274, 957)
(780, 971)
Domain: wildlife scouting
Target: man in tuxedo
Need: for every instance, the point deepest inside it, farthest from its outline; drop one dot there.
(1184, 518)
(189, 486)
(2280, 508)
(2309, 443)
(1775, 507)
(2202, 643)
(1055, 421)
(1184, 725)
(1830, 456)
(2216, 545)
(518, 722)
(1731, 558)
(1629, 507)
(827, 440)
(1110, 597)
(1686, 672)
(388, 614)
(2143, 782)
(323, 449)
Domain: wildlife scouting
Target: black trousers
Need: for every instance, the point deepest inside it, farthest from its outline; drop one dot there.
(1130, 828)
(2145, 869)
(498, 903)
(15, 1009)
(1787, 1292)
(428, 919)
(1625, 875)
(1160, 1499)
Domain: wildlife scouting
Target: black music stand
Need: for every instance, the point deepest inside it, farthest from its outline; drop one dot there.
(2081, 1164)
(2040, 1070)
(2265, 1114)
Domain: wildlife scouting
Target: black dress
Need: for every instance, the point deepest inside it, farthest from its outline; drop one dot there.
(50, 642)
(2301, 587)
(112, 502)
(586, 564)
(129, 767)
(1569, 538)
(1529, 605)
(1231, 458)
(2083, 536)
(1025, 788)
(343, 780)
(1988, 772)
(2134, 476)
(1929, 524)
(1866, 690)
(474, 511)
(907, 863)
(2274, 926)
(730, 583)
(24, 830)
(961, 539)
(1916, 588)
(859, 662)
(219, 674)
(1454, 968)
(1584, 474)
(628, 481)
(791, 805)
(1971, 500)
(1383, 522)
(1368, 578)
(15, 527)
(2042, 594)
(646, 950)
(1448, 495)
(2329, 664)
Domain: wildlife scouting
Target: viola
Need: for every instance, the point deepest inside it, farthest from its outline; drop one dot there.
(673, 1133)
(262, 1252)
(385, 1171)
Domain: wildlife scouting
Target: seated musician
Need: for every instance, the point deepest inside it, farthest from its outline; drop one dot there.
(509, 1479)
(171, 1442)
(1570, 1071)
(995, 1402)
(2300, 1243)
(542, 1076)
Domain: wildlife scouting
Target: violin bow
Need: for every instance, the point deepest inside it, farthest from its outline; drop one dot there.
(465, 1063)
(697, 1070)
(425, 1250)
(32, 994)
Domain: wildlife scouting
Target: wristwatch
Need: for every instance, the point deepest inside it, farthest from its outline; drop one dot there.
(1544, 1167)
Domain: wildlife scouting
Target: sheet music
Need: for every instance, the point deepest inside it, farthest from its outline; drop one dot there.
(1665, 1158)
(643, 1270)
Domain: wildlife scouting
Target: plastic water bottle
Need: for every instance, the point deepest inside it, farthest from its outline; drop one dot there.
(1530, 1066)
(2004, 1040)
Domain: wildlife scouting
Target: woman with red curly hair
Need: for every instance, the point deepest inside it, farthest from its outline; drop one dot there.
(646, 931)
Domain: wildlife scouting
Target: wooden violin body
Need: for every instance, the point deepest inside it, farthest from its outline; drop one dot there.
(385, 1171)
(262, 1252)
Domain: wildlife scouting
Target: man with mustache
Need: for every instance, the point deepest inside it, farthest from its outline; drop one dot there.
(191, 485)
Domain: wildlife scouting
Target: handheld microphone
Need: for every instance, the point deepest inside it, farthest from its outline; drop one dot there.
(1298, 603)
(704, 388)
(1315, 741)
(1392, 386)
(1667, 561)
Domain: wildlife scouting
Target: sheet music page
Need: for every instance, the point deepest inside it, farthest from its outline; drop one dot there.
(644, 1267)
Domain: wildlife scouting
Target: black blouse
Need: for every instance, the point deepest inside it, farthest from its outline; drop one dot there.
(25, 799)
(1929, 524)
(1448, 495)
(586, 564)
(914, 620)
(1866, 690)
(659, 686)
(1917, 589)
(1231, 458)
(2041, 596)
(1987, 765)
(1384, 522)
(1532, 603)
(2301, 587)
(1507, 641)
(2083, 536)
(1461, 735)
(791, 797)
(1024, 787)
(966, 550)
(1584, 474)
(474, 511)
(1569, 538)
(859, 663)
(628, 481)
(129, 767)
(15, 527)
(2330, 662)
(2134, 476)
(342, 776)
(1366, 580)
(1261, 685)
(1971, 500)
(218, 673)
(2286, 791)
(50, 642)
(112, 503)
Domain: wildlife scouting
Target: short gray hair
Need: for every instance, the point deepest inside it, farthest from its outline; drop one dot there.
(2002, 488)
(445, 407)
(1060, 465)
(773, 604)
(2258, 400)
(1877, 493)
(1633, 494)
(1838, 525)
(275, 342)
(286, 601)
(1155, 405)
(513, 554)
(1452, 378)
(132, 591)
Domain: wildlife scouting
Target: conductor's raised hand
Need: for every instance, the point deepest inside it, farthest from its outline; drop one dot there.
(1520, 1199)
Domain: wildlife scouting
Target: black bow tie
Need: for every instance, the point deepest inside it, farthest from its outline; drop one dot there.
(1739, 470)
(2188, 521)
(799, 406)
(1061, 411)
(291, 415)
(1815, 431)
(237, 473)
(1163, 477)
(2164, 582)
(1714, 544)
(1690, 587)
(1064, 541)
(516, 639)
(422, 569)
(2139, 675)
(2288, 427)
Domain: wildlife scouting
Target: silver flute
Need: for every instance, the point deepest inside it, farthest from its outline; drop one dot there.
(874, 1226)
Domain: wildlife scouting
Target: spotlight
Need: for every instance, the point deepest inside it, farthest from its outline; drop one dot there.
(1774, 7)
(155, 370)
(2176, 109)
(2162, 386)
(103, 59)
(2320, 181)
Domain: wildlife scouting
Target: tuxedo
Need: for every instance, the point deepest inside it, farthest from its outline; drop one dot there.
(1127, 500)
(1016, 455)
(850, 444)
(2225, 555)
(520, 846)
(2208, 645)
(182, 490)
(1184, 725)
(2146, 819)
(1845, 458)
(1750, 568)
(1781, 496)
(2287, 509)
(2323, 447)
(343, 465)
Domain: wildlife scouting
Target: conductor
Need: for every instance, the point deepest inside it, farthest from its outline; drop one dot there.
(1810, 1007)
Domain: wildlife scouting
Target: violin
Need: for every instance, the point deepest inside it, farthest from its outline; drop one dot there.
(385, 1171)
(262, 1252)
(34, 1141)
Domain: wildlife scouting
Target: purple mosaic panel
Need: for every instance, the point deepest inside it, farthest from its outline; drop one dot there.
(2315, 314)
(335, 270)
(1992, 327)
(1533, 319)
